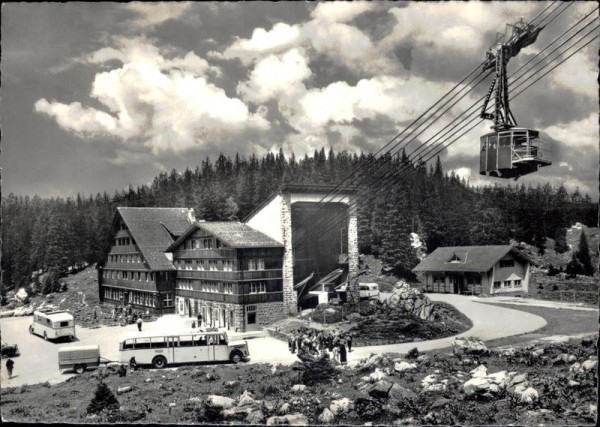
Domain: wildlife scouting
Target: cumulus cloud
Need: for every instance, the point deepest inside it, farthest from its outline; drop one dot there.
(149, 14)
(166, 104)
(276, 76)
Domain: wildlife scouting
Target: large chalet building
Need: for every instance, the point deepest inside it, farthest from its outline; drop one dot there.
(238, 275)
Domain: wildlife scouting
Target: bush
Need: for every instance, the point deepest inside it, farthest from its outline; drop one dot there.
(413, 353)
(318, 371)
(103, 399)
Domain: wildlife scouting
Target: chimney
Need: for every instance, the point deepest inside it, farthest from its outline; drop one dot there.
(191, 215)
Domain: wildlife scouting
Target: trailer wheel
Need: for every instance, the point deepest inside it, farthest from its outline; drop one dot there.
(31, 329)
(45, 336)
(235, 357)
(159, 362)
(79, 369)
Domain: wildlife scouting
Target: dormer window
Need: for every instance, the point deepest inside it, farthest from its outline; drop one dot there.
(457, 257)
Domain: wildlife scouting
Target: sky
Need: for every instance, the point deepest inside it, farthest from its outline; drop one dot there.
(98, 96)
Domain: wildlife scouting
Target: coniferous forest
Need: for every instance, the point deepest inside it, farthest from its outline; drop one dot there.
(396, 197)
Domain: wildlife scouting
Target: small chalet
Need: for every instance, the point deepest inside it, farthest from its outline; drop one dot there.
(230, 273)
(135, 270)
(476, 270)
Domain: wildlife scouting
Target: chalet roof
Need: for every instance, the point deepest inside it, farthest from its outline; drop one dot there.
(467, 258)
(154, 229)
(233, 233)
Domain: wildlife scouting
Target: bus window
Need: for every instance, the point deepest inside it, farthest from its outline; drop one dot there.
(128, 344)
(63, 324)
(186, 341)
(48, 322)
(222, 339)
(201, 341)
(142, 343)
(172, 342)
(158, 342)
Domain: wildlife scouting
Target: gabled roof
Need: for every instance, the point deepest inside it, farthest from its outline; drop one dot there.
(467, 258)
(232, 233)
(154, 229)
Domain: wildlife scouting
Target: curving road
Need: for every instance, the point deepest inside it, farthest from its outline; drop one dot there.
(38, 360)
(489, 322)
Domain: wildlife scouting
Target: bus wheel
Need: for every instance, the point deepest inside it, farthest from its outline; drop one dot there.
(31, 329)
(235, 356)
(159, 362)
(79, 369)
(45, 336)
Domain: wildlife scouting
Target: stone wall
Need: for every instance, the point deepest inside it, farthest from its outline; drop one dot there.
(290, 298)
(353, 288)
(269, 312)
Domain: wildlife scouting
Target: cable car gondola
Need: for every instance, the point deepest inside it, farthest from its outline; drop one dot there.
(509, 151)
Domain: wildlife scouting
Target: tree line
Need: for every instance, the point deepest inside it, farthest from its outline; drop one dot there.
(396, 197)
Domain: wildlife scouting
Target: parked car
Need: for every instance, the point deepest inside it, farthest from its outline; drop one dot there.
(9, 350)
(366, 291)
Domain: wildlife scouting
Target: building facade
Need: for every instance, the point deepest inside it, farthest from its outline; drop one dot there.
(135, 270)
(229, 273)
(476, 270)
(317, 226)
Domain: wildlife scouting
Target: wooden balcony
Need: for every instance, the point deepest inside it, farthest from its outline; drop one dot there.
(131, 284)
(231, 298)
(229, 275)
(205, 253)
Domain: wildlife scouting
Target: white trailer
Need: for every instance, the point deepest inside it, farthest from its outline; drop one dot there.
(53, 325)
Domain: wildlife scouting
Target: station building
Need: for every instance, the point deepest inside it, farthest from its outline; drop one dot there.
(238, 275)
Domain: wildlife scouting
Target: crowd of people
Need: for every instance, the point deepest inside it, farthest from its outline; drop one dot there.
(333, 344)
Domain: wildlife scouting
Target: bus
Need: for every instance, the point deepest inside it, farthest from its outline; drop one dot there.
(160, 349)
(53, 325)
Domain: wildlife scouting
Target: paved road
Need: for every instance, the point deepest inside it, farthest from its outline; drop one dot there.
(39, 359)
(489, 322)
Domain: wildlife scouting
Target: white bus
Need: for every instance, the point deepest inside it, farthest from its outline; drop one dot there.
(160, 349)
(53, 325)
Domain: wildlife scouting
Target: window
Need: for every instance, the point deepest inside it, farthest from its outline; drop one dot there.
(139, 275)
(258, 287)
(212, 265)
(517, 284)
(207, 243)
(497, 285)
(507, 263)
(168, 300)
(228, 265)
(188, 265)
(200, 265)
(218, 243)
(256, 264)
(507, 283)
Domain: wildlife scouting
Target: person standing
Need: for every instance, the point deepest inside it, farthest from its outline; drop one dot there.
(199, 320)
(139, 324)
(349, 339)
(343, 355)
(9, 367)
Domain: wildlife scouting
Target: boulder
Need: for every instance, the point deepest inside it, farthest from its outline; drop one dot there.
(284, 409)
(376, 376)
(529, 395)
(326, 416)
(589, 364)
(246, 399)
(124, 389)
(514, 380)
(477, 385)
(404, 366)
(340, 406)
(21, 295)
(380, 389)
(255, 417)
(298, 388)
(223, 402)
(469, 345)
(480, 371)
(398, 392)
(440, 403)
(292, 419)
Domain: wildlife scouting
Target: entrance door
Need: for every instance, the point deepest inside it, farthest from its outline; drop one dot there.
(251, 323)
(222, 319)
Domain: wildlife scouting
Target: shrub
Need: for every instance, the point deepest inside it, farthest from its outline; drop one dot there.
(103, 399)
(413, 353)
(317, 371)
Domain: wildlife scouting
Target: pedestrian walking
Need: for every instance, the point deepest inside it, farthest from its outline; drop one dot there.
(193, 325)
(349, 339)
(9, 367)
(199, 320)
(139, 323)
(336, 354)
